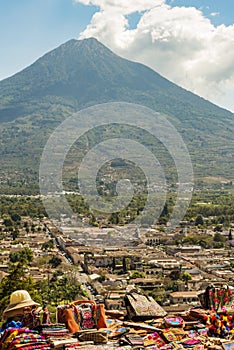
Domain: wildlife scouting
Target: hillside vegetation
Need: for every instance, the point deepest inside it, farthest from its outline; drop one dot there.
(83, 73)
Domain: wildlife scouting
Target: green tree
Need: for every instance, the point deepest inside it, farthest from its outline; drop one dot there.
(15, 217)
(186, 277)
(47, 245)
(199, 220)
(8, 222)
(17, 279)
(114, 218)
(218, 237)
(137, 274)
(24, 256)
(174, 275)
(61, 287)
(15, 234)
(218, 228)
(55, 261)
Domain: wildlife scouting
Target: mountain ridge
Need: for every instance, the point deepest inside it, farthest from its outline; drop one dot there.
(81, 73)
(92, 46)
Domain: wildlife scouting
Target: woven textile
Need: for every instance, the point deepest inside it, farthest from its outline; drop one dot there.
(54, 332)
(97, 337)
(22, 338)
(9, 335)
(81, 315)
(86, 315)
(33, 346)
(141, 307)
(217, 298)
(99, 347)
(174, 321)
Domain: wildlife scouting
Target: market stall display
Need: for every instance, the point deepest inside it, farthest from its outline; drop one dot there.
(198, 328)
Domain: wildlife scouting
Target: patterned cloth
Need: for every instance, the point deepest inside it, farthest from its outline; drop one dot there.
(97, 337)
(221, 298)
(10, 333)
(22, 338)
(141, 306)
(98, 347)
(33, 346)
(85, 316)
(54, 332)
(81, 315)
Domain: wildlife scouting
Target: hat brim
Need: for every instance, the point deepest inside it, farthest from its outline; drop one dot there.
(20, 305)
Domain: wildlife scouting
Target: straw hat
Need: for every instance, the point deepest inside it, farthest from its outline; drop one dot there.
(18, 301)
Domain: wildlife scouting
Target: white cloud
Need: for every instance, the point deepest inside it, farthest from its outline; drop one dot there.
(178, 42)
(123, 6)
(214, 14)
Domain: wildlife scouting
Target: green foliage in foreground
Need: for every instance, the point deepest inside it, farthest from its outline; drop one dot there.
(17, 279)
(58, 287)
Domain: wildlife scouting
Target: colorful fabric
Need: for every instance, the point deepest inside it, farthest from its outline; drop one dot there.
(155, 339)
(81, 315)
(33, 346)
(54, 332)
(25, 340)
(220, 298)
(85, 315)
(174, 321)
(11, 324)
(99, 347)
(22, 338)
(97, 337)
(10, 333)
(190, 343)
(169, 335)
(141, 306)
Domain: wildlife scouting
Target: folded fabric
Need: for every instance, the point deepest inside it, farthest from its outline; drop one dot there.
(9, 335)
(190, 343)
(179, 333)
(61, 342)
(77, 345)
(134, 339)
(103, 347)
(22, 341)
(174, 321)
(98, 337)
(22, 338)
(49, 333)
(140, 306)
(118, 332)
(33, 346)
(168, 335)
(155, 339)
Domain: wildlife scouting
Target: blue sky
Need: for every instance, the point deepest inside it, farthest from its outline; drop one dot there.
(30, 28)
(223, 8)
